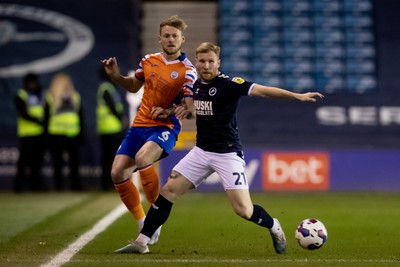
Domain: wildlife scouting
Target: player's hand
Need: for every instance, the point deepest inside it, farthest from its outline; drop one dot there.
(309, 97)
(159, 113)
(110, 66)
(180, 112)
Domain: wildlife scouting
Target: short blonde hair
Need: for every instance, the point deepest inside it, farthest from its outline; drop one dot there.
(208, 47)
(174, 21)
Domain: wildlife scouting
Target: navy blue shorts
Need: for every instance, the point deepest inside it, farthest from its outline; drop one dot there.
(138, 136)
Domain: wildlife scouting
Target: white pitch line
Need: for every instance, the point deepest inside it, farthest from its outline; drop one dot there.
(65, 255)
(243, 261)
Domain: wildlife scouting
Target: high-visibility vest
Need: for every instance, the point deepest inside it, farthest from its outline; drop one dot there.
(65, 121)
(107, 122)
(35, 108)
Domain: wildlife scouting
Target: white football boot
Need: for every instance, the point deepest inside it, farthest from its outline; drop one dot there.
(154, 238)
(278, 237)
(133, 248)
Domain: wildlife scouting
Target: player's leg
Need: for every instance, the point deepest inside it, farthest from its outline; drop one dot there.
(159, 143)
(186, 175)
(230, 168)
(121, 173)
(176, 186)
(241, 202)
(243, 206)
(149, 153)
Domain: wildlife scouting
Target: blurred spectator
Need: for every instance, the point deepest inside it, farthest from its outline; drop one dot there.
(65, 130)
(32, 120)
(109, 126)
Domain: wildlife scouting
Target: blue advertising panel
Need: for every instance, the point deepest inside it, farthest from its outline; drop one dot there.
(309, 170)
(212, 183)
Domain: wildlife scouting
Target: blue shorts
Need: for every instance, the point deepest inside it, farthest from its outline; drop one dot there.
(138, 136)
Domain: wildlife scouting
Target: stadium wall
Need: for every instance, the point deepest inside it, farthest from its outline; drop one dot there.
(357, 134)
(309, 170)
(343, 119)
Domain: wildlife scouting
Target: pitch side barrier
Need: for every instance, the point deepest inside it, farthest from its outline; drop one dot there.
(309, 170)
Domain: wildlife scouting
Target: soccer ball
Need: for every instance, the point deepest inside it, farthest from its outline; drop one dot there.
(311, 234)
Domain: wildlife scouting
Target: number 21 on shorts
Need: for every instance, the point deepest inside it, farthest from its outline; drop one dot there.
(240, 178)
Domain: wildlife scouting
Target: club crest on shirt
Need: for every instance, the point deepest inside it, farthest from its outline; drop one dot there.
(212, 91)
(174, 75)
(238, 80)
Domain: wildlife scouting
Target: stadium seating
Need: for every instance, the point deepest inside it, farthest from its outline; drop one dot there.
(326, 45)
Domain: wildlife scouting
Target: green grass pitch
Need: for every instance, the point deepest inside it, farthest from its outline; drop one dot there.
(363, 230)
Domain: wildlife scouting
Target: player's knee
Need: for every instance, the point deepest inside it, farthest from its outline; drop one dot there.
(143, 158)
(117, 175)
(140, 159)
(169, 192)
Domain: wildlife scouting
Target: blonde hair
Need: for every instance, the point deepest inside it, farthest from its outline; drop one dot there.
(208, 47)
(174, 21)
(61, 86)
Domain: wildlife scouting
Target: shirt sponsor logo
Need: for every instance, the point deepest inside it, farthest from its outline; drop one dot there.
(203, 107)
(295, 171)
(238, 80)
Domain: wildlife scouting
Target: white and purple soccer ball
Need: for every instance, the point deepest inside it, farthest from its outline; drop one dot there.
(311, 234)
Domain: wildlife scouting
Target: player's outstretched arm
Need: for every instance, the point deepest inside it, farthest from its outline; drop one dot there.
(275, 92)
(131, 84)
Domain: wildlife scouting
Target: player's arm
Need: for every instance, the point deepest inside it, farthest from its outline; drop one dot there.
(131, 84)
(275, 92)
(185, 110)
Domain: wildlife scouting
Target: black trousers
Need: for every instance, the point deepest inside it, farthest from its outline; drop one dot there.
(109, 144)
(70, 146)
(30, 162)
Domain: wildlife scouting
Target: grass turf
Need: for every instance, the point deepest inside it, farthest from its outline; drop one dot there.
(204, 231)
(58, 220)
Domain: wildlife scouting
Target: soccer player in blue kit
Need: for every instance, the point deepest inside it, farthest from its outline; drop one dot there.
(218, 149)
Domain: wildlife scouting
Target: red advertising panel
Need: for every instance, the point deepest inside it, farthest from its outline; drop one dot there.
(291, 171)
